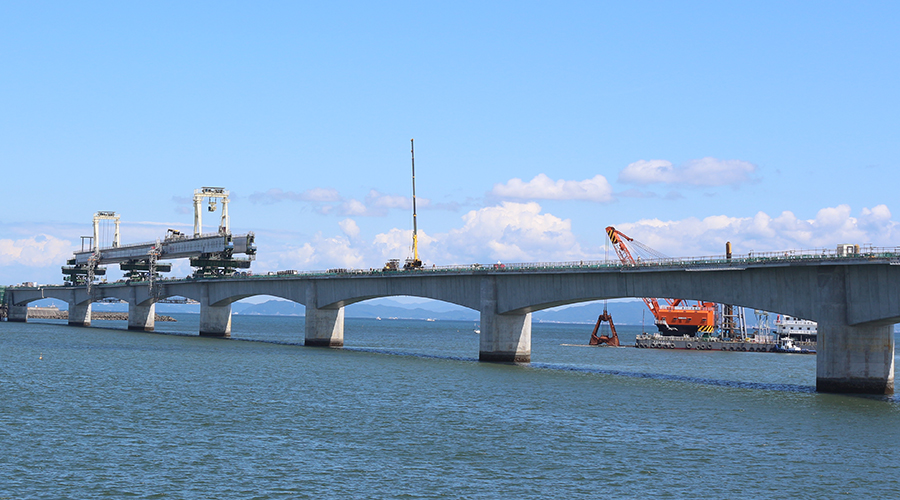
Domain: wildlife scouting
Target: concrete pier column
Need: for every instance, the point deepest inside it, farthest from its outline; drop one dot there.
(849, 359)
(505, 338)
(142, 318)
(215, 321)
(855, 359)
(80, 314)
(18, 314)
(324, 327)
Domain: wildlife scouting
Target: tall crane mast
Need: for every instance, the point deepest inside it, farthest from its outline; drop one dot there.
(414, 262)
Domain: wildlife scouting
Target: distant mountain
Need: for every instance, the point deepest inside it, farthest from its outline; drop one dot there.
(422, 311)
(384, 309)
(623, 312)
(269, 308)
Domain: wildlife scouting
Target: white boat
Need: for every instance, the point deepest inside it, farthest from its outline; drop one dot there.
(786, 344)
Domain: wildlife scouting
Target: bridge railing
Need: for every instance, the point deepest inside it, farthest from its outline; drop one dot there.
(809, 255)
(866, 253)
(818, 254)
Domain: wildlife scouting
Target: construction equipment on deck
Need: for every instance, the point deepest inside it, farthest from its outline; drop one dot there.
(411, 263)
(211, 254)
(414, 262)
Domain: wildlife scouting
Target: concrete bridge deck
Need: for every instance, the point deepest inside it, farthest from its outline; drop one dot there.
(855, 299)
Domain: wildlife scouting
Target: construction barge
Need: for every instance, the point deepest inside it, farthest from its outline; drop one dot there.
(700, 325)
(784, 344)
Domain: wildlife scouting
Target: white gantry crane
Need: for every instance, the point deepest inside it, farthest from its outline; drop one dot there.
(212, 194)
(211, 254)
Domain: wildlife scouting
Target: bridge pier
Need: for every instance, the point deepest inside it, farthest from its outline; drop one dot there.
(855, 359)
(18, 314)
(505, 338)
(142, 318)
(324, 327)
(215, 321)
(80, 314)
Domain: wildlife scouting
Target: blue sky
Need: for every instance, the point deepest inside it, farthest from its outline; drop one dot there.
(769, 124)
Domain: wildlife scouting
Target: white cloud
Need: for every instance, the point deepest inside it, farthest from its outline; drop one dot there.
(511, 232)
(764, 233)
(338, 252)
(349, 227)
(36, 251)
(353, 207)
(380, 200)
(397, 244)
(648, 172)
(543, 187)
(706, 171)
(322, 253)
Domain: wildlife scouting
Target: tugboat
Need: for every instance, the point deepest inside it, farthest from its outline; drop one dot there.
(786, 345)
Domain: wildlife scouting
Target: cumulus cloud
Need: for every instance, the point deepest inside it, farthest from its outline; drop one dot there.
(542, 187)
(703, 172)
(321, 253)
(764, 233)
(380, 200)
(397, 244)
(353, 207)
(36, 251)
(349, 227)
(512, 232)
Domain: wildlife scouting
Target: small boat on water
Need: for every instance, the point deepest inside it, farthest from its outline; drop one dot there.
(786, 345)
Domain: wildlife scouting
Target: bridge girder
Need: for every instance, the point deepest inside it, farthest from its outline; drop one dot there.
(871, 292)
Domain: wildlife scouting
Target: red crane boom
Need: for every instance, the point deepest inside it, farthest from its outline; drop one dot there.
(670, 318)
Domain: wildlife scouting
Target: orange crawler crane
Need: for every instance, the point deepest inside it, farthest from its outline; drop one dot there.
(675, 317)
(612, 339)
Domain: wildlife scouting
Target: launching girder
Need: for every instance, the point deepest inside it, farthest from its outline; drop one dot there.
(178, 247)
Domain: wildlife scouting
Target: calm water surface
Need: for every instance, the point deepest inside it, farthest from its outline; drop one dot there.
(405, 411)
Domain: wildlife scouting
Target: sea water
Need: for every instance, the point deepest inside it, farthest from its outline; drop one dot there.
(406, 411)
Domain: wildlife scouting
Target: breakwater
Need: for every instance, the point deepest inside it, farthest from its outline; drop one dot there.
(53, 313)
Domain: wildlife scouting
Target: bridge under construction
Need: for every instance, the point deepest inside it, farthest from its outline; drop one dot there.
(851, 294)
